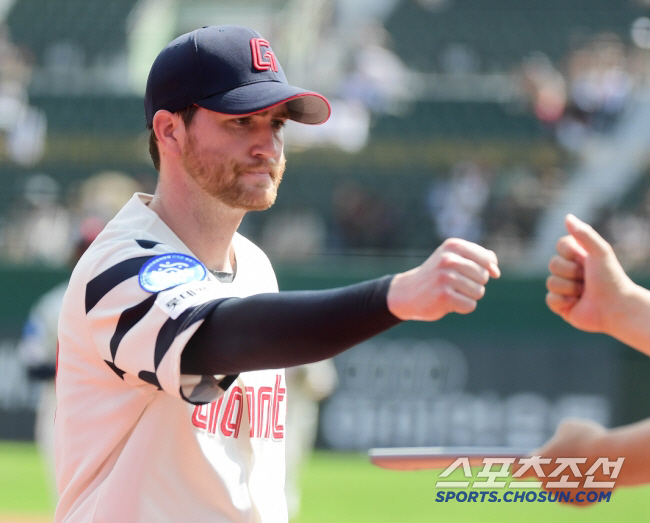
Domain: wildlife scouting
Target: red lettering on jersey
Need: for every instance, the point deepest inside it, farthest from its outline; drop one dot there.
(278, 396)
(234, 409)
(250, 397)
(263, 60)
(214, 415)
(264, 403)
(263, 408)
(199, 417)
(204, 416)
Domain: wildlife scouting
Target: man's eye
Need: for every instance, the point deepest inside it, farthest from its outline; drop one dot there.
(279, 124)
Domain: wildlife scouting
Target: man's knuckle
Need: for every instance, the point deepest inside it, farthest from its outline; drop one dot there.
(445, 277)
(447, 259)
(467, 306)
(445, 293)
(550, 282)
(449, 242)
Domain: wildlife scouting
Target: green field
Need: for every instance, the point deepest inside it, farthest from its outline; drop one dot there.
(343, 488)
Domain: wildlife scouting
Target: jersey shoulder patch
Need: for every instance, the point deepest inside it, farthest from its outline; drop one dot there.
(169, 270)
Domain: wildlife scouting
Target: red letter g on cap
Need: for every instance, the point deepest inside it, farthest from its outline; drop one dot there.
(263, 56)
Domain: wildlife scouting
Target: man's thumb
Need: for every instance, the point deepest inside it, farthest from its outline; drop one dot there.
(586, 236)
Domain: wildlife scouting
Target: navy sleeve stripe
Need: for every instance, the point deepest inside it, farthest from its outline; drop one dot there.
(166, 336)
(115, 369)
(227, 381)
(128, 319)
(147, 244)
(102, 284)
(150, 377)
(172, 328)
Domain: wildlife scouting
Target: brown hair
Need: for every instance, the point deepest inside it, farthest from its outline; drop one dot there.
(187, 115)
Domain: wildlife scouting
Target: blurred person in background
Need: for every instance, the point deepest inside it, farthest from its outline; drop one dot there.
(361, 219)
(39, 225)
(37, 351)
(307, 386)
(100, 197)
(104, 193)
(599, 82)
(587, 97)
(294, 234)
(456, 204)
(377, 77)
(22, 126)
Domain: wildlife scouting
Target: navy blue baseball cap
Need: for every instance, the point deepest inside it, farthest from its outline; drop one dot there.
(228, 69)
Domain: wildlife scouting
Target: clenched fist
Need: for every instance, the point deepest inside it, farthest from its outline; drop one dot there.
(589, 289)
(452, 279)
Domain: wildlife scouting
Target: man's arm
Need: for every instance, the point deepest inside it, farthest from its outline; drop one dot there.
(589, 289)
(292, 328)
(576, 438)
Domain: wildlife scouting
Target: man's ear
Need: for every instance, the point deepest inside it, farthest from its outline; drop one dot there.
(170, 132)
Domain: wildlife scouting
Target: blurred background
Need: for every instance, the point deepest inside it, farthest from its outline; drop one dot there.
(487, 120)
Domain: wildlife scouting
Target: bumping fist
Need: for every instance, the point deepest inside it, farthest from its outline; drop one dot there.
(586, 281)
(452, 279)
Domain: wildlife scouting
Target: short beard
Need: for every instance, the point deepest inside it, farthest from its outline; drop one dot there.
(223, 181)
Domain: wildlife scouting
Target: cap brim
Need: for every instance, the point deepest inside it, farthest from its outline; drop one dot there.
(304, 106)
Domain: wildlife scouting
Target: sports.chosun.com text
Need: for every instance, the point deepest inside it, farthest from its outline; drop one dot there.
(531, 496)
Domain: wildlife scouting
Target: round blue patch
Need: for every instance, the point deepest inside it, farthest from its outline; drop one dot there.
(168, 270)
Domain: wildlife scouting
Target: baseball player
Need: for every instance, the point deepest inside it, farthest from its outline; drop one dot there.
(307, 386)
(37, 351)
(171, 393)
(588, 288)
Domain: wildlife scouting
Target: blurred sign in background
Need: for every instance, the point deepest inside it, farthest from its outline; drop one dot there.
(481, 119)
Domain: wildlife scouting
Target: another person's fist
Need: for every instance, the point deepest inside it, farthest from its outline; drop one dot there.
(586, 279)
(452, 279)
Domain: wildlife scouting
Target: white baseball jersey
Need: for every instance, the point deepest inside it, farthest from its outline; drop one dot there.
(136, 440)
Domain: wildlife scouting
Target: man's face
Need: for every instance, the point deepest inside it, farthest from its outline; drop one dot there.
(238, 160)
